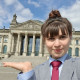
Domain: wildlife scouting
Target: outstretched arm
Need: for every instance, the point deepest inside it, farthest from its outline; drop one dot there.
(22, 66)
(25, 67)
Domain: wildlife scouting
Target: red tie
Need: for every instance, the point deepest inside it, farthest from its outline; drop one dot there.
(55, 71)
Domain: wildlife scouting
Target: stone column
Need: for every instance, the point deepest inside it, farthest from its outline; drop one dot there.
(25, 44)
(9, 43)
(12, 48)
(73, 47)
(17, 46)
(2, 44)
(33, 46)
(79, 47)
(40, 50)
(79, 51)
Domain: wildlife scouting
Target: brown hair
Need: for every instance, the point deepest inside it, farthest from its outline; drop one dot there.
(54, 23)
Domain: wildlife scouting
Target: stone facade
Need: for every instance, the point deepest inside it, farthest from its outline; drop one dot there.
(25, 39)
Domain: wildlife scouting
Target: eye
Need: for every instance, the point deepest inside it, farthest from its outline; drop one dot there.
(63, 37)
(51, 39)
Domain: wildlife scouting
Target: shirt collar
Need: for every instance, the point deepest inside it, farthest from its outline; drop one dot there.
(62, 59)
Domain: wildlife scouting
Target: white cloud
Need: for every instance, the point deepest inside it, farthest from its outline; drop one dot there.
(73, 14)
(26, 12)
(3, 15)
(9, 2)
(18, 6)
(2, 12)
(24, 15)
(33, 3)
(8, 9)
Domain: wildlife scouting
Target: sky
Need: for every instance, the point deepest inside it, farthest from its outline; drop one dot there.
(38, 10)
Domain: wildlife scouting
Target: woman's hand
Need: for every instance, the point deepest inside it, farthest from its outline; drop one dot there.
(22, 66)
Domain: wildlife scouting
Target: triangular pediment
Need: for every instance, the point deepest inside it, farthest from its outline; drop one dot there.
(28, 25)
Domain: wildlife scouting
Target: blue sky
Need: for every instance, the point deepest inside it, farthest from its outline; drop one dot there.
(39, 10)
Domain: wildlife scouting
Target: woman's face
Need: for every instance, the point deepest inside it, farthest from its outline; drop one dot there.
(58, 45)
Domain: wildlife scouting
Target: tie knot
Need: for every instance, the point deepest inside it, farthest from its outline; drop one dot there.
(56, 63)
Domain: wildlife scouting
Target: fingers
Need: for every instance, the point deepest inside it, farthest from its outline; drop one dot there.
(15, 65)
(6, 64)
(1, 64)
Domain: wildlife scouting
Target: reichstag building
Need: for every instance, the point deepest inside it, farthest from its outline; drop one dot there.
(25, 39)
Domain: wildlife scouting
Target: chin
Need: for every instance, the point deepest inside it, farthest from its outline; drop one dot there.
(57, 56)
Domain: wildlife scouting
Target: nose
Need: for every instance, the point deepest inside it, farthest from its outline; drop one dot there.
(57, 43)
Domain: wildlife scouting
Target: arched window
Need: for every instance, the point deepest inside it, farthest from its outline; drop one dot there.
(5, 39)
(76, 51)
(5, 49)
(70, 51)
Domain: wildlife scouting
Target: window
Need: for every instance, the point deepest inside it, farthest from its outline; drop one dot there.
(76, 51)
(5, 39)
(77, 42)
(70, 51)
(5, 49)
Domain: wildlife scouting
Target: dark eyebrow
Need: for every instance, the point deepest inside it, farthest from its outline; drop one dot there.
(63, 35)
(57, 35)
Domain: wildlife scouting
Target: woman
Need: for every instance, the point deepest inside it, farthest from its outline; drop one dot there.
(57, 34)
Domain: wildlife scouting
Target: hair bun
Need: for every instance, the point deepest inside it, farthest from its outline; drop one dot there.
(54, 14)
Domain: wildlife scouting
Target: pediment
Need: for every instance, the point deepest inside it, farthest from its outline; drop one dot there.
(28, 25)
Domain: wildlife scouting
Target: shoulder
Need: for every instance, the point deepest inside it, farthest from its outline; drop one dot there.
(76, 62)
(76, 59)
(73, 61)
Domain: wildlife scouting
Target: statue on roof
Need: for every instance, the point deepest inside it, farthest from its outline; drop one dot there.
(14, 17)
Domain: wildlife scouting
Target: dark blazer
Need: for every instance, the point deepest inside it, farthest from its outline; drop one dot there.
(70, 70)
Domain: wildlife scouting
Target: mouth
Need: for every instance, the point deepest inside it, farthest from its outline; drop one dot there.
(57, 50)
